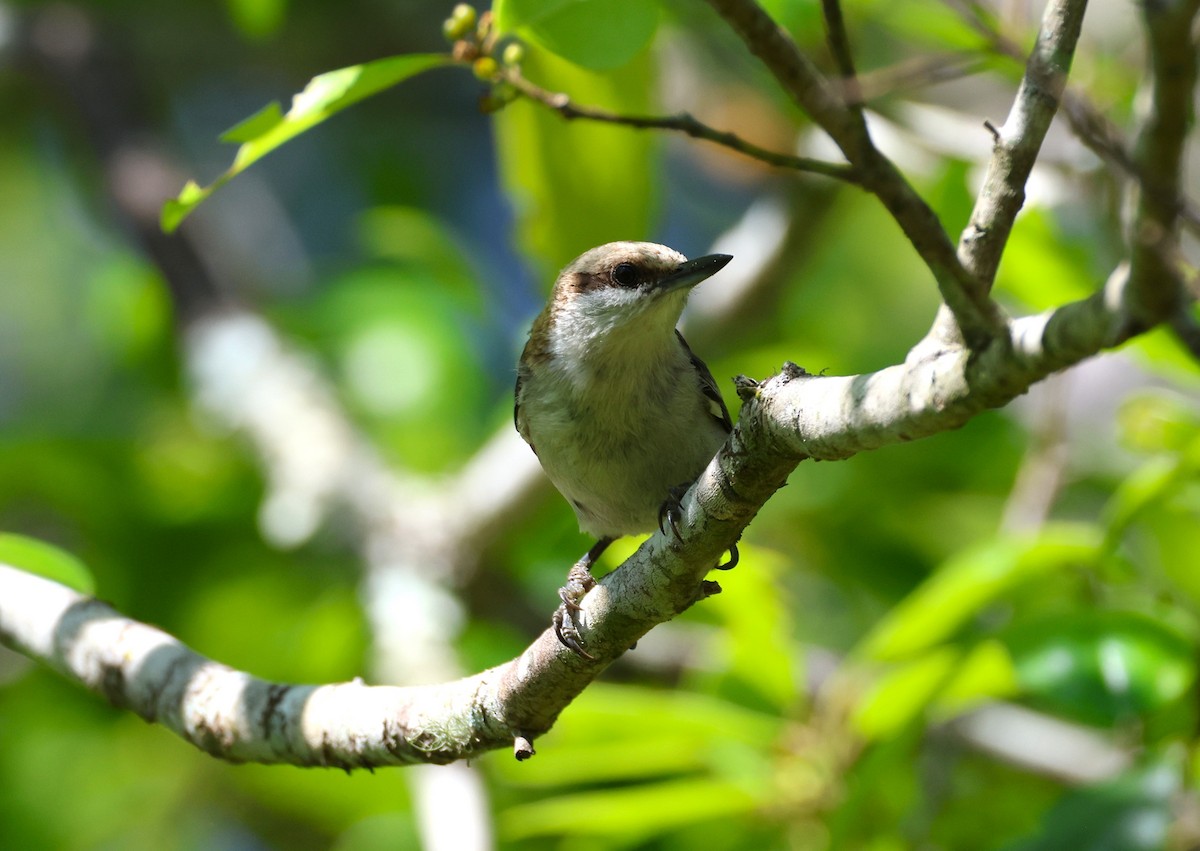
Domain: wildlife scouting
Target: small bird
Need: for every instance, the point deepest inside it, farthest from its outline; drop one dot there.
(619, 411)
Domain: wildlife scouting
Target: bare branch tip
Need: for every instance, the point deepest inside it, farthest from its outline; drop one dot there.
(747, 387)
(792, 371)
(523, 748)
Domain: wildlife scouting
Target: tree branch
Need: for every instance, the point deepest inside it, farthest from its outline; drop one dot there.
(233, 716)
(976, 315)
(1159, 153)
(1097, 133)
(786, 419)
(1019, 140)
(839, 48)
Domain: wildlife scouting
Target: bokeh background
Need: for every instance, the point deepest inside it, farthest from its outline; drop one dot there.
(983, 640)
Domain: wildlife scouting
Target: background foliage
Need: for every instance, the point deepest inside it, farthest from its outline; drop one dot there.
(1044, 556)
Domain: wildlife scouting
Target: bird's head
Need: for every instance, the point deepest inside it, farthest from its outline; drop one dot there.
(624, 287)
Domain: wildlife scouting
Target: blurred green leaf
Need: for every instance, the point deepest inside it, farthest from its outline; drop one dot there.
(324, 96)
(46, 560)
(903, 692)
(575, 185)
(1158, 420)
(303, 635)
(258, 18)
(399, 339)
(758, 627)
(613, 726)
(599, 35)
(418, 240)
(798, 17)
(1040, 268)
(1130, 813)
(329, 802)
(935, 25)
(946, 681)
(1152, 482)
(1160, 351)
(934, 611)
(1102, 667)
(632, 814)
(986, 673)
(1172, 538)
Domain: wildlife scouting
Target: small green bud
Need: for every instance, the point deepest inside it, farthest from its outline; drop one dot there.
(485, 68)
(460, 23)
(514, 53)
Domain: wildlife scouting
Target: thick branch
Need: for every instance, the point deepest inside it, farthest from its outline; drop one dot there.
(832, 418)
(965, 296)
(237, 717)
(788, 418)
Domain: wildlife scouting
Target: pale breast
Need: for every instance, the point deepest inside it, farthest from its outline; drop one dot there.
(614, 445)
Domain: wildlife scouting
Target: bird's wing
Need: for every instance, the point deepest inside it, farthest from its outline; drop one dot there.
(708, 386)
(518, 420)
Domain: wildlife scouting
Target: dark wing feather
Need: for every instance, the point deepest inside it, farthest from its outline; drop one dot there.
(522, 374)
(708, 386)
(517, 401)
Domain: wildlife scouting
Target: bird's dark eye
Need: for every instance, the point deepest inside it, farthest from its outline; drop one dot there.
(625, 274)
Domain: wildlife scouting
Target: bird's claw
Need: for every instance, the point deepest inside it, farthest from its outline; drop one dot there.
(733, 559)
(672, 509)
(579, 582)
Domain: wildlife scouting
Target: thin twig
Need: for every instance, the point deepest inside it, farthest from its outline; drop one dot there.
(681, 123)
(839, 47)
(913, 73)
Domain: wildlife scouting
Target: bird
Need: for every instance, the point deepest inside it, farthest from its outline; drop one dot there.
(619, 411)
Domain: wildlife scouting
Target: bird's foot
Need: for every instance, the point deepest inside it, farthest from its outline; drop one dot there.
(733, 559)
(672, 510)
(579, 582)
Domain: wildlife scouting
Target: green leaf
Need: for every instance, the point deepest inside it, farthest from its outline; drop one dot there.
(1042, 268)
(1158, 420)
(628, 733)
(1160, 351)
(38, 557)
(596, 34)
(575, 185)
(801, 18)
(632, 813)
(967, 582)
(1150, 483)
(946, 681)
(324, 96)
(1104, 667)
(903, 693)
(1132, 812)
(756, 631)
(258, 19)
(248, 129)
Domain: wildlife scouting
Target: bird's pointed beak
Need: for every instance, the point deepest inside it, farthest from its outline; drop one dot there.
(692, 272)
